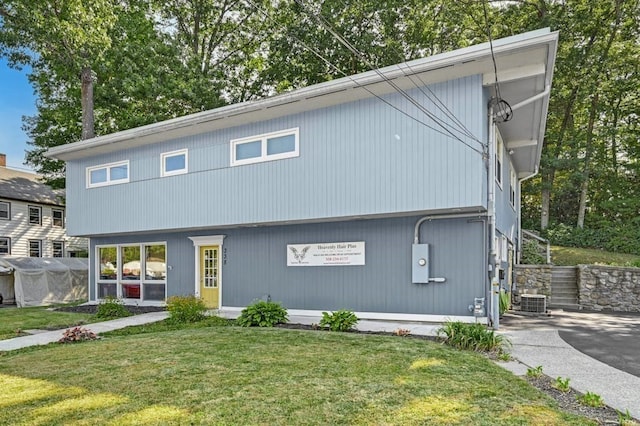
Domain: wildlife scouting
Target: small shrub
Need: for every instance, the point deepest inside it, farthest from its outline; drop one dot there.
(110, 308)
(531, 254)
(504, 301)
(504, 355)
(341, 320)
(562, 384)
(262, 314)
(77, 334)
(591, 399)
(185, 309)
(472, 336)
(534, 372)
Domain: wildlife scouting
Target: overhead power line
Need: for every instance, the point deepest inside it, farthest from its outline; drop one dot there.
(338, 70)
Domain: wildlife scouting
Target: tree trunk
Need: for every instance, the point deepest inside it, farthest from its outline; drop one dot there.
(87, 103)
(584, 188)
(544, 217)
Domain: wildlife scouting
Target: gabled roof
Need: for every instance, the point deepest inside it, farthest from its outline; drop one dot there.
(525, 69)
(25, 186)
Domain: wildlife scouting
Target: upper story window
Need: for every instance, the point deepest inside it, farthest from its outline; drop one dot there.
(174, 162)
(35, 215)
(108, 174)
(5, 210)
(266, 147)
(499, 148)
(512, 188)
(57, 217)
(5, 245)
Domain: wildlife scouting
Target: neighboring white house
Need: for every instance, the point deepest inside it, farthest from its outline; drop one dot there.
(32, 218)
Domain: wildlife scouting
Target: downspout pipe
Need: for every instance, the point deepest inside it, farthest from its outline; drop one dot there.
(491, 212)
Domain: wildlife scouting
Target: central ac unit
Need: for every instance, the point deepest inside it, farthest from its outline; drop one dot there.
(535, 303)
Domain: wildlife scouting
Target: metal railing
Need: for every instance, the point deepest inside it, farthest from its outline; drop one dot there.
(528, 234)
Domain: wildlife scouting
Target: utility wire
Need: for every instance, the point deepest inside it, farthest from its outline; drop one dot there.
(338, 70)
(327, 26)
(506, 112)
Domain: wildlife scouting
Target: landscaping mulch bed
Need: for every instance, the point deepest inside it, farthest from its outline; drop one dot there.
(91, 309)
(568, 401)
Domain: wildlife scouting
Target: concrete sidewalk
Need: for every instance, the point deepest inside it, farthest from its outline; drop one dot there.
(99, 327)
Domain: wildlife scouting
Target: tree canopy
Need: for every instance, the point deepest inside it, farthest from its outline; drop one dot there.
(148, 60)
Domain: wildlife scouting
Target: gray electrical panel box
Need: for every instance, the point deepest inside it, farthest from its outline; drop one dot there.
(420, 263)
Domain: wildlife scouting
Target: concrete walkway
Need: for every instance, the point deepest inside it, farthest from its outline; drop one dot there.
(531, 348)
(99, 327)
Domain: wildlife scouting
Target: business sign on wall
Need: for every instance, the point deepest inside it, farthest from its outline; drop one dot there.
(326, 254)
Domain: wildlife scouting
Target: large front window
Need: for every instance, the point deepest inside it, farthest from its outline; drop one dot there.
(136, 272)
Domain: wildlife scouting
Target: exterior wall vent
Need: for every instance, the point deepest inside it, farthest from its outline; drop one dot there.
(534, 303)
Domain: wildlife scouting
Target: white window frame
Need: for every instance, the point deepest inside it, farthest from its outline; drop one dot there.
(39, 209)
(53, 218)
(499, 159)
(39, 247)
(119, 281)
(163, 164)
(8, 240)
(53, 248)
(8, 204)
(263, 140)
(512, 188)
(108, 168)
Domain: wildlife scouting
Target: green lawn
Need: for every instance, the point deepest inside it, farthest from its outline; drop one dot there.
(248, 376)
(14, 320)
(570, 256)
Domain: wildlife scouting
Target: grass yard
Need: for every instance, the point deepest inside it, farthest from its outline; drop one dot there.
(571, 256)
(249, 376)
(14, 320)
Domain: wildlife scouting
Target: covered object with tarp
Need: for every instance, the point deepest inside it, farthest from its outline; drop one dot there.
(41, 281)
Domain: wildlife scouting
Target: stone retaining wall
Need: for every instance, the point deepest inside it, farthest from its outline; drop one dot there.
(609, 287)
(533, 279)
(600, 288)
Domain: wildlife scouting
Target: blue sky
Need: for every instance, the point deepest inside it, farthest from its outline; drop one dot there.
(16, 99)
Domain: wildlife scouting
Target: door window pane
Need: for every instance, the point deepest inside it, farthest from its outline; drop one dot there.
(107, 290)
(154, 291)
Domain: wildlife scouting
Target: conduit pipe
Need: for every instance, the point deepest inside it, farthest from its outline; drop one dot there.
(416, 230)
(491, 211)
(534, 98)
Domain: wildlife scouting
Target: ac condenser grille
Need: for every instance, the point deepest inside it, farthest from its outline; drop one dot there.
(536, 303)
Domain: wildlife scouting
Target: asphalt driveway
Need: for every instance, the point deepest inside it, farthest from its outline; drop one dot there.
(612, 338)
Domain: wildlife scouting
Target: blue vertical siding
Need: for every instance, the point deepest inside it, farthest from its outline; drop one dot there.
(356, 159)
(256, 266)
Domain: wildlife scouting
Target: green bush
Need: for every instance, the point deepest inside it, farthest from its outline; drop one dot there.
(341, 320)
(472, 336)
(531, 254)
(185, 309)
(618, 238)
(110, 308)
(262, 314)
